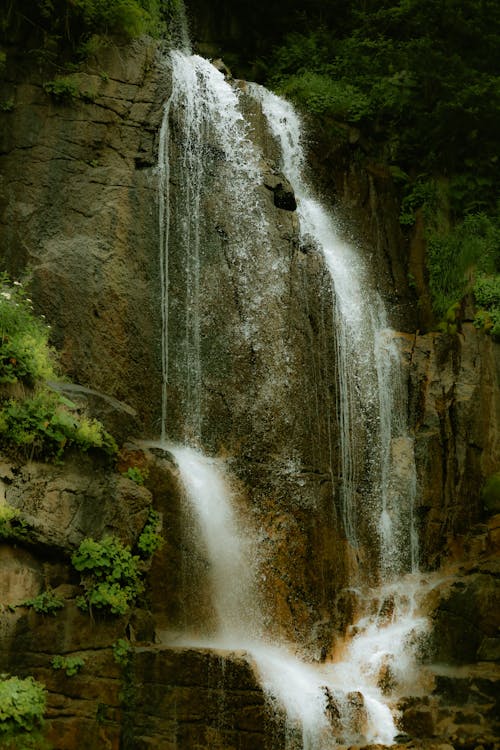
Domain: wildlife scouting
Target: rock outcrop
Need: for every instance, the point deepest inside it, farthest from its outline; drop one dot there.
(76, 175)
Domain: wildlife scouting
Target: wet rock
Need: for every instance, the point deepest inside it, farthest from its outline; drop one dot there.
(418, 721)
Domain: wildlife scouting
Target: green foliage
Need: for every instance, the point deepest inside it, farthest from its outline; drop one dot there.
(7, 105)
(111, 575)
(43, 426)
(322, 95)
(25, 354)
(46, 603)
(487, 295)
(12, 525)
(58, 25)
(456, 255)
(421, 194)
(62, 89)
(22, 705)
(136, 475)
(122, 652)
(71, 664)
(421, 79)
(150, 539)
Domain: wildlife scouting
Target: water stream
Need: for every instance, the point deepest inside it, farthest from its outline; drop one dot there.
(349, 697)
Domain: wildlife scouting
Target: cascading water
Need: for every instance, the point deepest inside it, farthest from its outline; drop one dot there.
(343, 698)
(371, 396)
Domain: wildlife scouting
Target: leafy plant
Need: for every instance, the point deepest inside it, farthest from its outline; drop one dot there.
(455, 256)
(122, 651)
(46, 603)
(63, 89)
(22, 705)
(71, 664)
(150, 539)
(136, 475)
(111, 575)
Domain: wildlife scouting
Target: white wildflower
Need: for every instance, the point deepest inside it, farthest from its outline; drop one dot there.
(7, 295)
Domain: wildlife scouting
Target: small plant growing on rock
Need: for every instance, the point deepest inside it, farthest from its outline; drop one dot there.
(150, 539)
(62, 89)
(12, 525)
(111, 575)
(122, 651)
(71, 664)
(136, 475)
(46, 603)
(22, 705)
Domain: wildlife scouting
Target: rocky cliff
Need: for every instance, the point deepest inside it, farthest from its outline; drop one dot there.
(78, 202)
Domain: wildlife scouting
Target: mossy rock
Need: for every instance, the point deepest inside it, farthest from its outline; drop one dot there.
(490, 493)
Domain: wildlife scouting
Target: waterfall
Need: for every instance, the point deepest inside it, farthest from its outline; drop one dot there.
(205, 131)
(210, 131)
(227, 547)
(371, 394)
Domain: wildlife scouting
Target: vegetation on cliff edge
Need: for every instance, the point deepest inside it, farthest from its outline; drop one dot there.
(35, 421)
(420, 80)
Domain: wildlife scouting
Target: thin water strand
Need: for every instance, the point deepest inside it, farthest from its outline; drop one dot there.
(371, 394)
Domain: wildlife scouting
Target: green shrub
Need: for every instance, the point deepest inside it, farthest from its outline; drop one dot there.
(456, 255)
(150, 539)
(71, 664)
(46, 603)
(487, 296)
(25, 354)
(323, 95)
(62, 89)
(22, 705)
(44, 426)
(111, 575)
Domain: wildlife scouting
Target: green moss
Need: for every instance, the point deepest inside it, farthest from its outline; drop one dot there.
(63, 89)
(12, 526)
(490, 493)
(136, 475)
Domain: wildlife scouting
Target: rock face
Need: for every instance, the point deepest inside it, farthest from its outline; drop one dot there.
(456, 405)
(76, 175)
